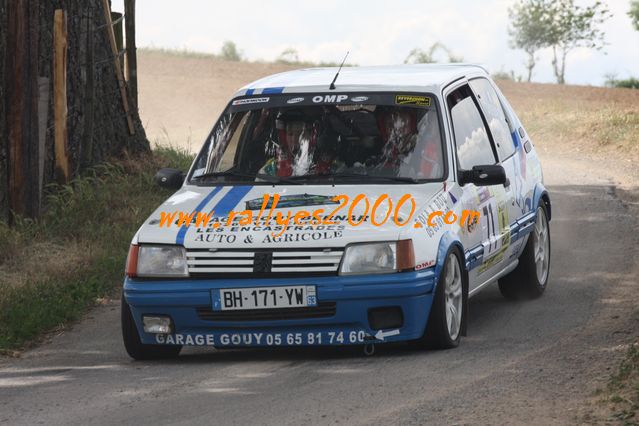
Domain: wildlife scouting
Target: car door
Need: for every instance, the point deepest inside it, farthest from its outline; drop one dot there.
(499, 126)
(486, 244)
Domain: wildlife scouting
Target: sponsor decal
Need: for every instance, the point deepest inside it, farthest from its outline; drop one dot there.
(293, 200)
(329, 99)
(294, 100)
(359, 99)
(425, 265)
(336, 337)
(248, 101)
(412, 100)
(472, 225)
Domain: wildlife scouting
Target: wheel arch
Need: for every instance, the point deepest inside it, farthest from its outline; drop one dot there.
(541, 195)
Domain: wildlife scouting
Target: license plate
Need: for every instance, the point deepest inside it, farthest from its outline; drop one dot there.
(266, 298)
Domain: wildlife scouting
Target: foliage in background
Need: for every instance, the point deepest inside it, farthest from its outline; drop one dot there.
(420, 56)
(627, 83)
(527, 30)
(288, 56)
(574, 26)
(52, 268)
(230, 52)
(506, 75)
(560, 25)
(634, 13)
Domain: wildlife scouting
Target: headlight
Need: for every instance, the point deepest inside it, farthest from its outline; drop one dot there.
(157, 261)
(378, 258)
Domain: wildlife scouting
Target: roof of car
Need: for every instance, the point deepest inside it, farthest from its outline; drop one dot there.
(418, 77)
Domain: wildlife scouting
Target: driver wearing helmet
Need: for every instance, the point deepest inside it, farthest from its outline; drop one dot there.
(398, 129)
(291, 131)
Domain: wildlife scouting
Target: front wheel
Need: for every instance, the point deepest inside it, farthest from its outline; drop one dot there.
(444, 327)
(134, 347)
(529, 278)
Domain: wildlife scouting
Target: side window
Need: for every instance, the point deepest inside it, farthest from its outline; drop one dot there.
(471, 138)
(494, 112)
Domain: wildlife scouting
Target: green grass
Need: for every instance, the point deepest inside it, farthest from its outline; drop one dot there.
(623, 389)
(89, 223)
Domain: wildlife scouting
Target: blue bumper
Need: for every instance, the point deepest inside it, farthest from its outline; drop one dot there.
(187, 302)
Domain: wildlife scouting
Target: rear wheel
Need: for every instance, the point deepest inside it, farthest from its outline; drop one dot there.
(530, 277)
(134, 347)
(444, 327)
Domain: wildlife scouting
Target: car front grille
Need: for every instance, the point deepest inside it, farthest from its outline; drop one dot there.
(322, 310)
(214, 262)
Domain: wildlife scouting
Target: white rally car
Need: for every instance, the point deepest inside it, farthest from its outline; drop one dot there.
(330, 208)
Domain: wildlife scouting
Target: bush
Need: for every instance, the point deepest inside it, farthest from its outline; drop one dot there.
(628, 83)
(230, 52)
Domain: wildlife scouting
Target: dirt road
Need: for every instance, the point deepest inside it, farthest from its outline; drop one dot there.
(535, 362)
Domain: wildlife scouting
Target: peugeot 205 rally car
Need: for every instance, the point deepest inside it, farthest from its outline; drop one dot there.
(375, 173)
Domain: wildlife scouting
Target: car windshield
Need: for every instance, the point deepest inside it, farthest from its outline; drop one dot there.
(350, 138)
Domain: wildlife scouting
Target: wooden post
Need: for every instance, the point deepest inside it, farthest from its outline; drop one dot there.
(60, 95)
(131, 54)
(22, 107)
(118, 68)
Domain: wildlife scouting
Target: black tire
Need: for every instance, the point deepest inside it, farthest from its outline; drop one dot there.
(523, 282)
(134, 347)
(437, 334)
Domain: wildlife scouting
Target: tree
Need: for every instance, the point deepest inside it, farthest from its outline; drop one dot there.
(528, 29)
(288, 56)
(573, 26)
(420, 56)
(230, 52)
(634, 13)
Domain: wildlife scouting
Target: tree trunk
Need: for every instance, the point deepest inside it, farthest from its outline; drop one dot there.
(562, 79)
(21, 83)
(530, 65)
(559, 64)
(97, 125)
(131, 55)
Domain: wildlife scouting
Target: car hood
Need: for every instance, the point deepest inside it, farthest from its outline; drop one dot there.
(294, 198)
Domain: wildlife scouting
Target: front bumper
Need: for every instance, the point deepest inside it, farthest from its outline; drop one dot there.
(185, 300)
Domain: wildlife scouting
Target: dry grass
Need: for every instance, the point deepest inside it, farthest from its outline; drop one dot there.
(593, 123)
(181, 96)
(42, 259)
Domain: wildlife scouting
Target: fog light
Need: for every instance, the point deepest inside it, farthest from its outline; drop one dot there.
(156, 324)
(385, 317)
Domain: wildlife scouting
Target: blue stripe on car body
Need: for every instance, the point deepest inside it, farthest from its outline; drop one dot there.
(179, 239)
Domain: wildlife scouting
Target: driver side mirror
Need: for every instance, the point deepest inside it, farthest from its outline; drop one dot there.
(483, 176)
(169, 178)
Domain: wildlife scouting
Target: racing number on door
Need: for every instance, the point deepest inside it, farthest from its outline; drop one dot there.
(491, 228)
(493, 242)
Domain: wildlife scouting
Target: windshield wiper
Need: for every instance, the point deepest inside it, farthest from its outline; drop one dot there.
(236, 173)
(332, 176)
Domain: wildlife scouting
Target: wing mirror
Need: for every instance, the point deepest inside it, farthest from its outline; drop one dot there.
(169, 178)
(484, 176)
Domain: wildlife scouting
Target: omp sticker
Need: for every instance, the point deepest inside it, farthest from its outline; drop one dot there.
(412, 100)
(248, 101)
(425, 265)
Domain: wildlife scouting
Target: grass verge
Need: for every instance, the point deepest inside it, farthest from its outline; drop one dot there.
(52, 269)
(623, 389)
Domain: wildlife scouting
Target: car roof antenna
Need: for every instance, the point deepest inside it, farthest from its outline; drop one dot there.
(332, 86)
